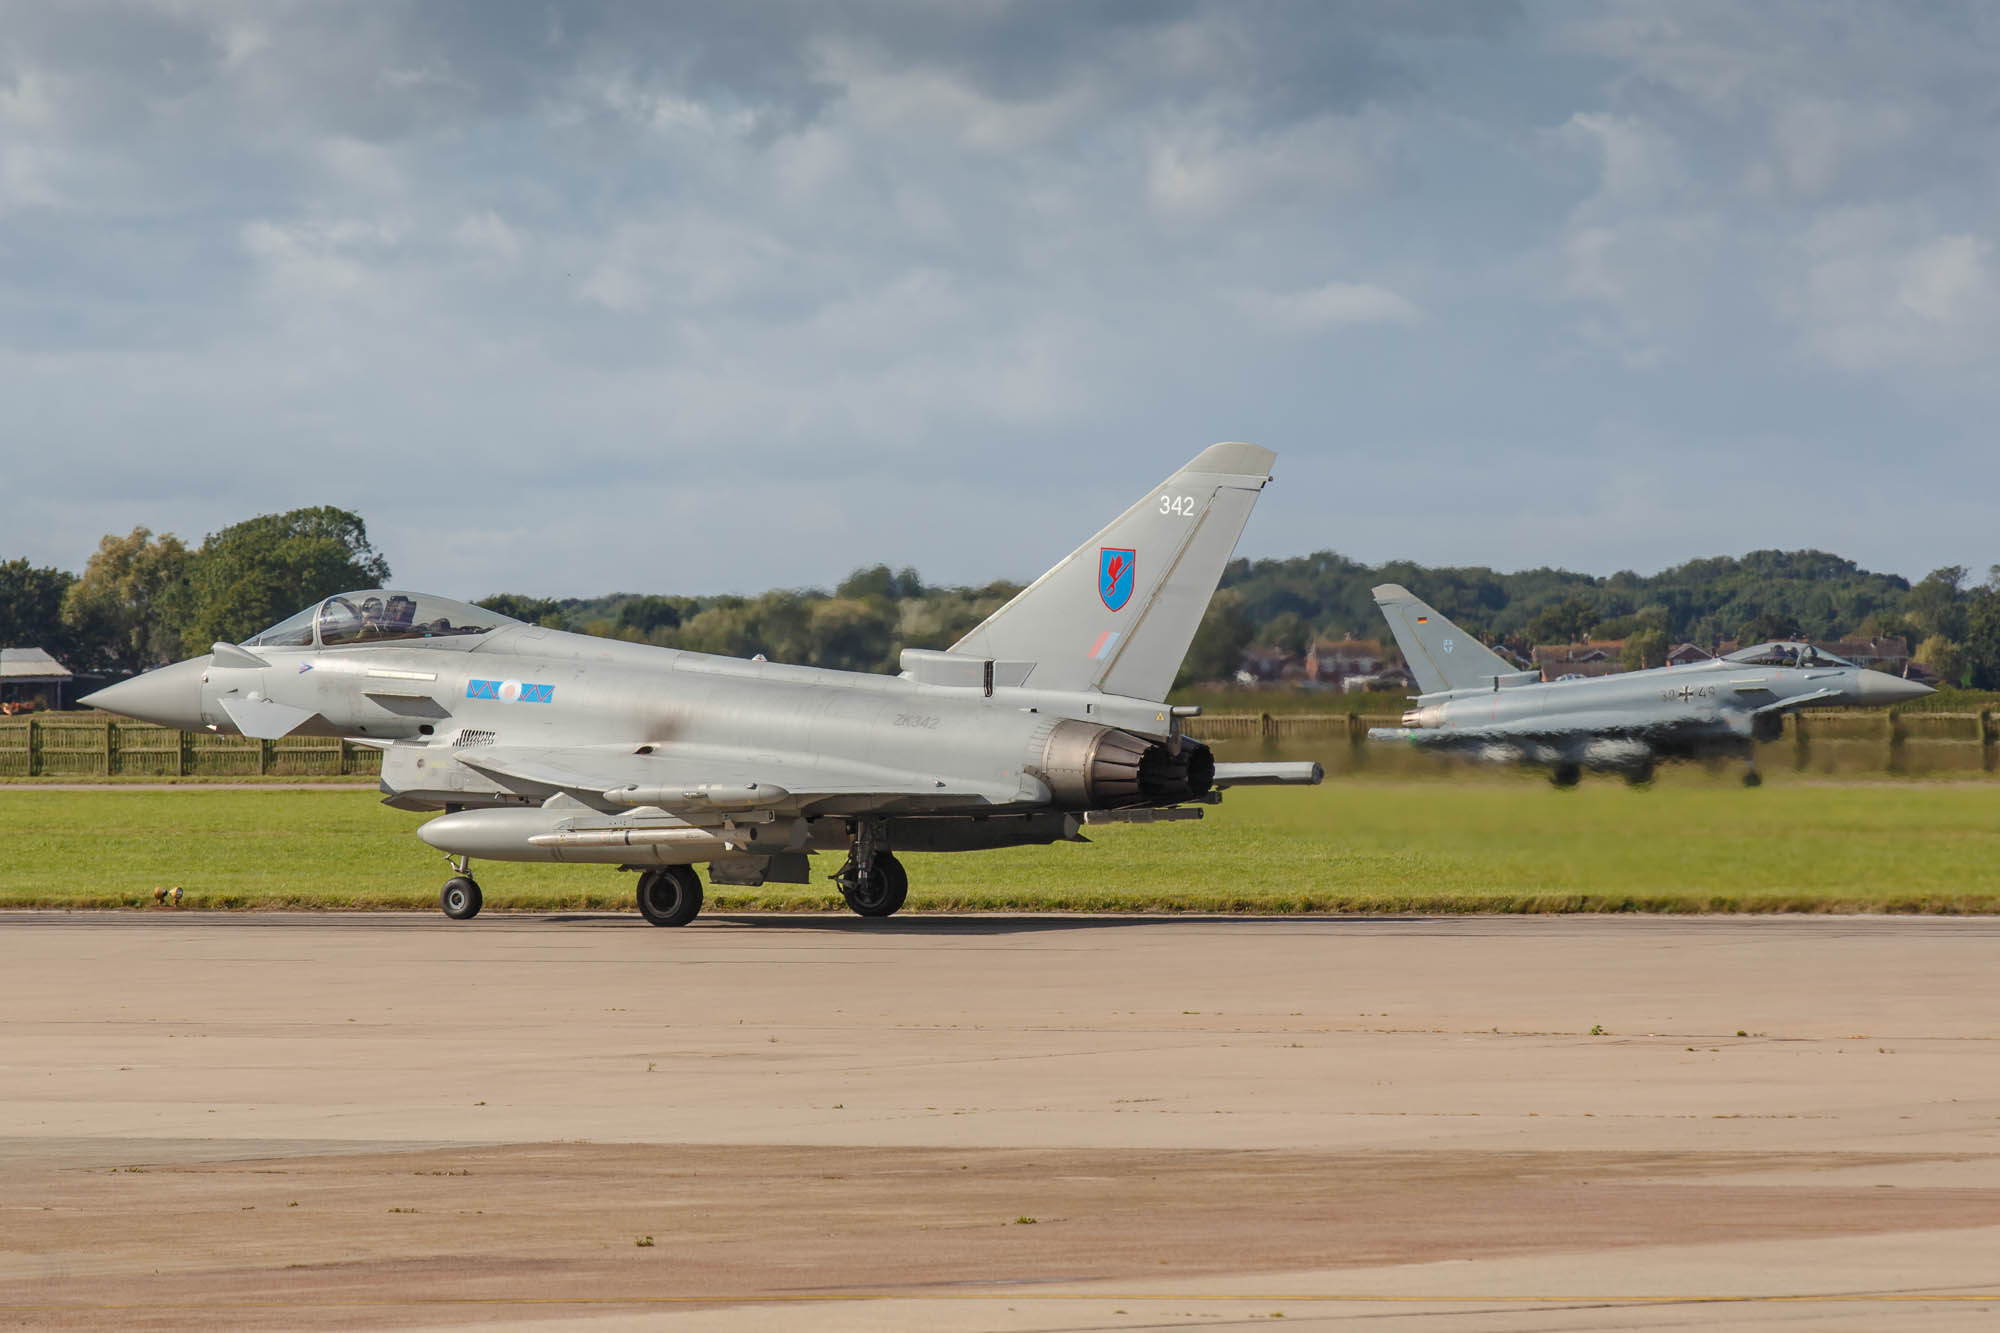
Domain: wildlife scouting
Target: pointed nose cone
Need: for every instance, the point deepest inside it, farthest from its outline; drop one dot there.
(1877, 687)
(170, 696)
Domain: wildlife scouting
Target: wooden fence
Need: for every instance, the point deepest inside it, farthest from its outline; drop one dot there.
(1888, 738)
(94, 747)
(90, 747)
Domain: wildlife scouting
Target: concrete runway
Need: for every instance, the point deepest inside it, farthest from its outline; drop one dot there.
(1002, 1122)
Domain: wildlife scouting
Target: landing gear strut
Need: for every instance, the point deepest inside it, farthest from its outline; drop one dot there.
(460, 897)
(873, 881)
(670, 896)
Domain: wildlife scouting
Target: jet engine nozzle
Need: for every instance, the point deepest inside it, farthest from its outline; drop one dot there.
(1091, 767)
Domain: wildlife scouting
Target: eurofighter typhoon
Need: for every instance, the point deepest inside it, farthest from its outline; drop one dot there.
(541, 745)
(1472, 701)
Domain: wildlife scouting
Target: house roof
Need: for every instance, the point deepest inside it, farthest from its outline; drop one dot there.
(1348, 647)
(1895, 646)
(1596, 650)
(30, 664)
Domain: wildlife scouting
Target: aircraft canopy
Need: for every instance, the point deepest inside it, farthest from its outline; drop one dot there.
(376, 615)
(1787, 655)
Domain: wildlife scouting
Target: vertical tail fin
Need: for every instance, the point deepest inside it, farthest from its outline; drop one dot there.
(1119, 613)
(1441, 656)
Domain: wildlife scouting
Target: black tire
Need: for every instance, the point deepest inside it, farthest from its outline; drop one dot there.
(460, 898)
(670, 896)
(1566, 775)
(1639, 776)
(1753, 779)
(884, 893)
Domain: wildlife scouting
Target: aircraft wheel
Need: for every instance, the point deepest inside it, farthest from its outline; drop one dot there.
(670, 896)
(887, 888)
(1640, 775)
(1566, 775)
(1753, 779)
(460, 898)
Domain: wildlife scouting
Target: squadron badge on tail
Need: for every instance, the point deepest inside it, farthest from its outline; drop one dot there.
(1114, 576)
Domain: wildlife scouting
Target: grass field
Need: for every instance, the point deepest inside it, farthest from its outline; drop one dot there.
(1349, 846)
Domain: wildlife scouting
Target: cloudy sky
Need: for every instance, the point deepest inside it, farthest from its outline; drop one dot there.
(572, 298)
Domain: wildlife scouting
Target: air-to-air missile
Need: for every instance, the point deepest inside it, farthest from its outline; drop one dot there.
(1472, 701)
(541, 745)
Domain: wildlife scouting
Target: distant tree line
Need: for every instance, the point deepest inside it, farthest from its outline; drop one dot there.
(862, 625)
(145, 599)
(1952, 623)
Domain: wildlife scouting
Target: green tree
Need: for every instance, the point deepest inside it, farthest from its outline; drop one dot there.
(1982, 637)
(1288, 630)
(853, 635)
(1570, 622)
(1945, 659)
(534, 610)
(1938, 602)
(255, 573)
(1217, 650)
(648, 613)
(726, 631)
(1645, 648)
(31, 603)
(125, 612)
(1766, 626)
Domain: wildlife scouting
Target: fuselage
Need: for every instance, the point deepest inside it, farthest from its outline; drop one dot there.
(1672, 711)
(429, 703)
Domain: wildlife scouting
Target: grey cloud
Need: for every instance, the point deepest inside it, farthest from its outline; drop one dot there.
(552, 292)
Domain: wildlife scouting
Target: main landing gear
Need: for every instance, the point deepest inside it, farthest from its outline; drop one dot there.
(670, 895)
(1566, 775)
(873, 881)
(880, 891)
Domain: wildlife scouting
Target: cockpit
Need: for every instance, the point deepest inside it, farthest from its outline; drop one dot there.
(379, 615)
(1787, 655)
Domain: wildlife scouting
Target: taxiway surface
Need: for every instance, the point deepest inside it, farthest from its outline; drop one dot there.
(1011, 1122)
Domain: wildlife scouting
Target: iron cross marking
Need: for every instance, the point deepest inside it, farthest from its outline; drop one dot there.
(1686, 693)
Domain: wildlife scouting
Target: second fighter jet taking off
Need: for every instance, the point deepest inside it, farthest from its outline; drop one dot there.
(541, 745)
(1474, 702)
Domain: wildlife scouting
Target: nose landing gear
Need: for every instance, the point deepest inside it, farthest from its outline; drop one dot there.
(460, 897)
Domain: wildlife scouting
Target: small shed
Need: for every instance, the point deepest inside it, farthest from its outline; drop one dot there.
(31, 679)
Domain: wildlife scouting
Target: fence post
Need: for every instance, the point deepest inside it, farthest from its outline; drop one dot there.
(1801, 750)
(183, 753)
(1986, 739)
(266, 750)
(1267, 726)
(34, 747)
(1892, 729)
(110, 747)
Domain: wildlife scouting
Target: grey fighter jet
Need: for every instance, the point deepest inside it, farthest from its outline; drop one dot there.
(545, 746)
(1472, 701)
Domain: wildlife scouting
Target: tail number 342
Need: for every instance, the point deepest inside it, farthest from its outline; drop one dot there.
(1181, 506)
